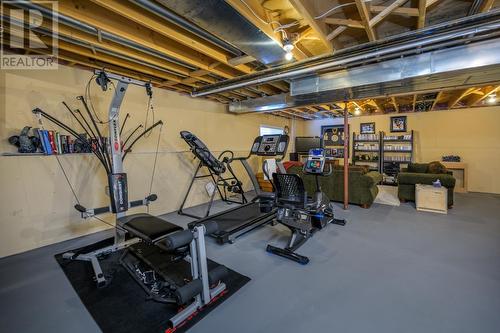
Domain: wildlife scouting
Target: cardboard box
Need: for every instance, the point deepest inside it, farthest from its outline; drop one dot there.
(431, 199)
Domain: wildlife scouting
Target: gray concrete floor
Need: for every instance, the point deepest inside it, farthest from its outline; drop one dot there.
(390, 269)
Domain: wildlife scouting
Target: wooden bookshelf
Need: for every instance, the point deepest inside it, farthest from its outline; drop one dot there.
(366, 150)
(396, 150)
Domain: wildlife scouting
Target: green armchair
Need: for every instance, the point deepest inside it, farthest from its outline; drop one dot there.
(420, 173)
(362, 184)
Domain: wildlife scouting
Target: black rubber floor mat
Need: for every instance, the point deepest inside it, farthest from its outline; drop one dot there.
(122, 306)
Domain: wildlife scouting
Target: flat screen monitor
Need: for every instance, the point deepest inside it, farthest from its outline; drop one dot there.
(304, 143)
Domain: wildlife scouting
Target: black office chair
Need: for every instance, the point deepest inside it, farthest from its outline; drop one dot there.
(295, 211)
(302, 214)
(290, 190)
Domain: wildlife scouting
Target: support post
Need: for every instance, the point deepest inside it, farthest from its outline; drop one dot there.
(346, 157)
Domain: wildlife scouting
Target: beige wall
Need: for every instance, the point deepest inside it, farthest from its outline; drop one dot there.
(472, 134)
(36, 204)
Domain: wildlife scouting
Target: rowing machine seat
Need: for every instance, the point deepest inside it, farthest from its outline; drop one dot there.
(148, 227)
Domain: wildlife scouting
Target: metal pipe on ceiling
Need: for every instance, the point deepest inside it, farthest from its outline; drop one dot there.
(391, 46)
(95, 48)
(71, 22)
(170, 16)
(120, 56)
(474, 7)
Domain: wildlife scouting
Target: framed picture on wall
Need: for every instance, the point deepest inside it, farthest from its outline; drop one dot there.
(398, 124)
(333, 138)
(332, 135)
(367, 128)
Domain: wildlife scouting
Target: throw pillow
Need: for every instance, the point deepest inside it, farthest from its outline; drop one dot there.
(436, 168)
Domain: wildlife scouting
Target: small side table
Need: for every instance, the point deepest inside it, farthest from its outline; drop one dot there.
(459, 170)
(431, 199)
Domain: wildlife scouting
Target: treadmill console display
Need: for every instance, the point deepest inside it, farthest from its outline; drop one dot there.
(270, 145)
(315, 161)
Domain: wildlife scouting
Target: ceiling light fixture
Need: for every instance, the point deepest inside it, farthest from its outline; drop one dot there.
(357, 111)
(492, 98)
(288, 47)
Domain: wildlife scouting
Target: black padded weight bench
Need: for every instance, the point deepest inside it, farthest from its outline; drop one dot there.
(173, 239)
(148, 228)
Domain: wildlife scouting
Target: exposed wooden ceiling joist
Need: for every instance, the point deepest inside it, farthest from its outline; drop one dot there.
(169, 30)
(100, 18)
(486, 5)
(436, 100)
(478, 98)
(305, 8)
(244, 59)
(378, 106)
(407, 11)
(336, 32)
(345, 22)
(395, 103)
(422, 8)
(365, 18)
(458, 96)
(383, 14)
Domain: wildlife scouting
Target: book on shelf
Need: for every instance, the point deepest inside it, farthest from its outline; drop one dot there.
(368, 137)
(397, 147)
(366, 146)
(405, 137)
(62, 139)
(58, 142)
(94, 144)
(46, 140)
(66, 143)
(71, 144)
(404, 159)
(52, 140)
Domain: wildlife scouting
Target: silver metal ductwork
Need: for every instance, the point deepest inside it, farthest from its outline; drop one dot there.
(466, 31)
(220, 19)
(485, 75)
(427, 65)
(170, 16)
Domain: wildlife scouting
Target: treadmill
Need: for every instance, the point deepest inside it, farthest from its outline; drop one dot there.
(235, 222)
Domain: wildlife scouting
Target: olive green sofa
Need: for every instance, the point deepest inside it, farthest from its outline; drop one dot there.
(362, 184)
(419, 173)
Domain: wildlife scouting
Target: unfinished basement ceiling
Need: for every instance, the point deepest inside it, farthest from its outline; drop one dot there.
(189, 44)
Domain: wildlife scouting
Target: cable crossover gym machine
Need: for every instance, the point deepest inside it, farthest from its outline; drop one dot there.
(200, 286)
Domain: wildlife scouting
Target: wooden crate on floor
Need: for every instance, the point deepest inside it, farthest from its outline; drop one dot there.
(431, 199)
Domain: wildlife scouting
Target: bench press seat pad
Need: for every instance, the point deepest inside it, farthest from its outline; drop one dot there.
(148, 227)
